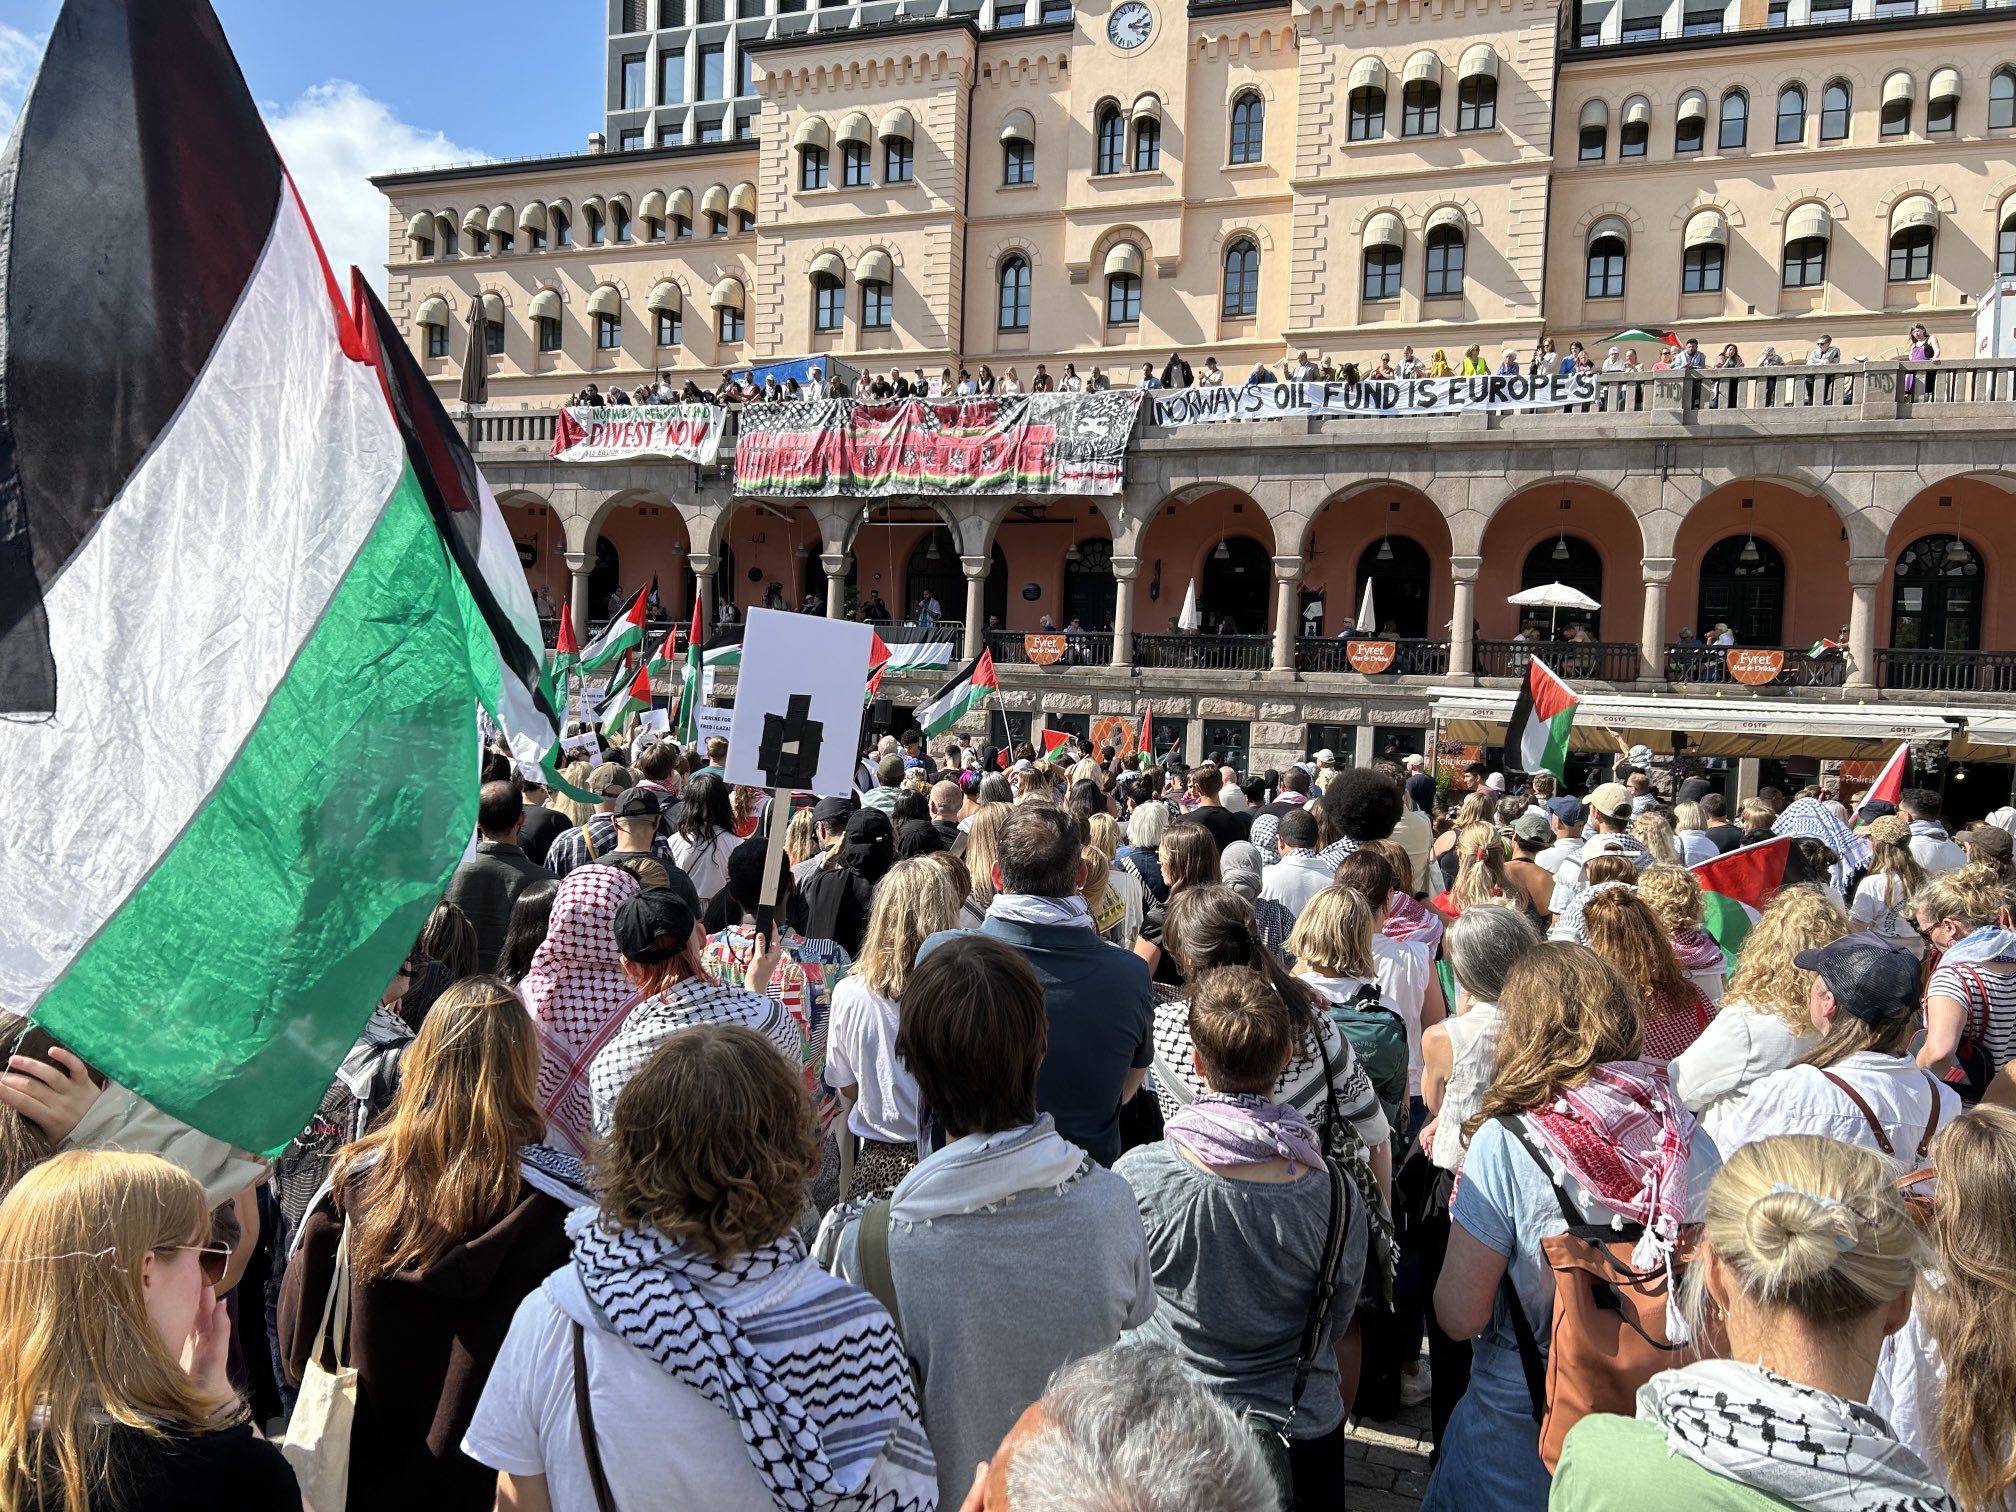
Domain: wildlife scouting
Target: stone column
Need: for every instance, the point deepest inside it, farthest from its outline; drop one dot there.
(578, 564)
(1652, 628)
(1865, 575)
(1462, 613)
(976, 570)
(836, 584)
(1287, 614)
(1124, 571)
(703, 565)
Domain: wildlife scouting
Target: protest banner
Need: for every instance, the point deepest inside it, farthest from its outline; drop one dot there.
(685, 432)
(1015, 443)
(1371, 398)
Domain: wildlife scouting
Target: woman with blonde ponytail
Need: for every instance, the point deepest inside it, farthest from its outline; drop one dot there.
(1480, 875)
(115, 1394)
(1809, 1264)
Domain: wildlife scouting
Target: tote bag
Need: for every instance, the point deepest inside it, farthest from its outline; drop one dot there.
(317, 1444)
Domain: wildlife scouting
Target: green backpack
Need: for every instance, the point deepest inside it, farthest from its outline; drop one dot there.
(1378, 1039)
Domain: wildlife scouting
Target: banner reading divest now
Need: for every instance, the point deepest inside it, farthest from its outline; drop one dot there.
(1372, 397)
(689, 432)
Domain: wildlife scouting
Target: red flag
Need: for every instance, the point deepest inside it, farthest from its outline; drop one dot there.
(1148, 728)
(697, 636)
(874, 685)
(879, 654)
(1889, 784)
(567, 644)
(1053, 739)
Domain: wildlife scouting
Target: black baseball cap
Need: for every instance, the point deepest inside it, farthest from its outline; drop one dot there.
(639, 803)
(653, 924)
(1875, 981)
(832, 810)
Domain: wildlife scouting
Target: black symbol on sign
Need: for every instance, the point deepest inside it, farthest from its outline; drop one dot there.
(789, 753)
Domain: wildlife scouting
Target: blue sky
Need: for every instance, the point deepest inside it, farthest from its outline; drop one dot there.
(372, 85)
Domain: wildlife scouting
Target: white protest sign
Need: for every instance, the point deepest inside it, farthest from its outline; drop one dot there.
(587, 744)
(709, 722)
(798, 702)
(654, 721)
(1372, 397)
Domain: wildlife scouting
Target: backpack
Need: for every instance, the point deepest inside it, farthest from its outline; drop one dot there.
(1610, 1332)
(1378, 1038)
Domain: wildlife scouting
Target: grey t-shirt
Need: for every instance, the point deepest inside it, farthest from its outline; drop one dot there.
(1235, 1267)
(994, 1302)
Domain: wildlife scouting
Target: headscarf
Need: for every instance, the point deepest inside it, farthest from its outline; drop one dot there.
(578, 995)
(1239, 865)
(869, 849)
(917, 837)
(1813, 819)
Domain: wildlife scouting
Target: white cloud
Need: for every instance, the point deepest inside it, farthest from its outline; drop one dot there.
(19, 53)
(334, 137)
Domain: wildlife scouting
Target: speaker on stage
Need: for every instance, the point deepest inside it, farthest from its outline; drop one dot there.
(882, 713)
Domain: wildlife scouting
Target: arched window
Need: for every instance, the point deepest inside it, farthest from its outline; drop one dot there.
(878, 304)
(1112, 140)
(1444, 263)
(2005, 243)
(1421, 108)
(1936, 597)
(1899, 90)
(1147, 145)
(1477, 102)
(1593, 139)
(1088, 584)
(1743, 587)
(1123, 284)
(1572, 561)
(829, 296)
(1806, 232)
(1791, 115)
(1704, 247)
(619, 223)
(1734, 133)
(1242, 280)
(1914, 225)
(1608, 248)
(1690, 122)
(1837, 103)
(1367, 114)
(1012, 313)
(1384, 238)
(1249, 128)
(1636, 132)
(2002, 98)
(813, 168)
(591, 218)
(1942, 102)
(1402, 579)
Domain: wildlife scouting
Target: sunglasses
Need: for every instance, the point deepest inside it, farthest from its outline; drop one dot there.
(215, 1259)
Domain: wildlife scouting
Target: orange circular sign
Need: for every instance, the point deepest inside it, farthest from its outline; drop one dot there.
(1043, 649)
(1755, 667)
(1370, 656)
(1119, 731)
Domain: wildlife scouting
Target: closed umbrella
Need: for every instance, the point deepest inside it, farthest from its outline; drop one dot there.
(1190, 619)
(475, 387)
(1368, 620)
(1554, 597)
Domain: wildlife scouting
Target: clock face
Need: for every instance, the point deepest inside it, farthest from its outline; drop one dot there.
(1130, 25)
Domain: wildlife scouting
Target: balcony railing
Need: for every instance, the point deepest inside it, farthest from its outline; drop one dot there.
(1059, 648)
(1946, 671)
(1204, 653)
(1589, 661)
(1751, 666)
(1411, 658)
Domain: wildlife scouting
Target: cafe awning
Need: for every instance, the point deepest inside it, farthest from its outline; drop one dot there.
(1733, 726)
(1990, 732)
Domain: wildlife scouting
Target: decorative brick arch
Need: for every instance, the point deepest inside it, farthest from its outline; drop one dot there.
(1260, 236)
(1472, 212)
(1116, 234)
(1999, 192)
(1728, 208)
(1618, 208)
(1837, 208)
(1011, 245)
(1935, 192)
(1395, 207)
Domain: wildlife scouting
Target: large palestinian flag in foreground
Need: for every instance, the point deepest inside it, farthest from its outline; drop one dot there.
(1536, 736)
(1736, 886)
(239, 539)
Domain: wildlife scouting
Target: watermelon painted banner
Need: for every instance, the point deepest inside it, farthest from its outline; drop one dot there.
(1016, 443)
(688, 432)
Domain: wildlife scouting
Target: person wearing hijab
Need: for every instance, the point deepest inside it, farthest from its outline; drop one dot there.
(578, 995)
(1239, 866)
(839, 894)
(918, 837)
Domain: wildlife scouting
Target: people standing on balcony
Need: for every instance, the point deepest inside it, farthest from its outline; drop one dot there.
(1438, 365)
(1544, 358)
(1823, 353)
(1508, 364)
(1410, 365)
(1010, 382)
(1176, 372)
(1691, 356)
(1930, 843)
(1474, 365)
(873, 610)
(1919, 349)
(1097, 381)
(1148, 380)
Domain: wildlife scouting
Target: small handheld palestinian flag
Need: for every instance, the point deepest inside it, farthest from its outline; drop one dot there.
(561, 666)
(1053, 740)
(967, 690)
(633, 699)
(686, 729)
(619, 637)
(1735, 887)
(1536, 736)
(1889, 784)
(1147, 746)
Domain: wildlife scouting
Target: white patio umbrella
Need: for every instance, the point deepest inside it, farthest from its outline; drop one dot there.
(1190, 619)
(1368, 619)
(1554, 597)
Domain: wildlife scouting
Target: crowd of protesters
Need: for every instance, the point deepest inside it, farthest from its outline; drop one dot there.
(1077, 1133)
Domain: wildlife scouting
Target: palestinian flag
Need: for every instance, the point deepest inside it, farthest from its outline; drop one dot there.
(1889, 783)
(664, 662)
(917, 648)
(1147, 744)
(181, 378)
(619, 637)
(967, 690)
(723, 649)
(686, 728)
(562, 664)
(1735, 887)
(632, 699)
(1536, 736)
(1053, 739)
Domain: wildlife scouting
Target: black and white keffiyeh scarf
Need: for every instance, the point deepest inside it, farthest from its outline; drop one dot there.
(822, 1392)
(1816, 1451)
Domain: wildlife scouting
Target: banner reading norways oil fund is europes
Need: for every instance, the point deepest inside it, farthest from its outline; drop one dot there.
(686, 432)
(1372, 397)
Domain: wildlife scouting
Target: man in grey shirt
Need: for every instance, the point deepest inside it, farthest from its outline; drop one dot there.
(1009, 1252)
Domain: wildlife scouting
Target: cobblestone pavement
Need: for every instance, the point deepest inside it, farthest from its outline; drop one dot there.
(1386, 1464)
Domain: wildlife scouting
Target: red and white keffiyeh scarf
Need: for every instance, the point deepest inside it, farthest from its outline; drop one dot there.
(1624, 1139)
(578, 996)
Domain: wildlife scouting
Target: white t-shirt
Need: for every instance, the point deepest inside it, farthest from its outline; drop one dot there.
(663, 1444)
(1402, 967)
(861, 1053)
(1881, 903)
(705, 862)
